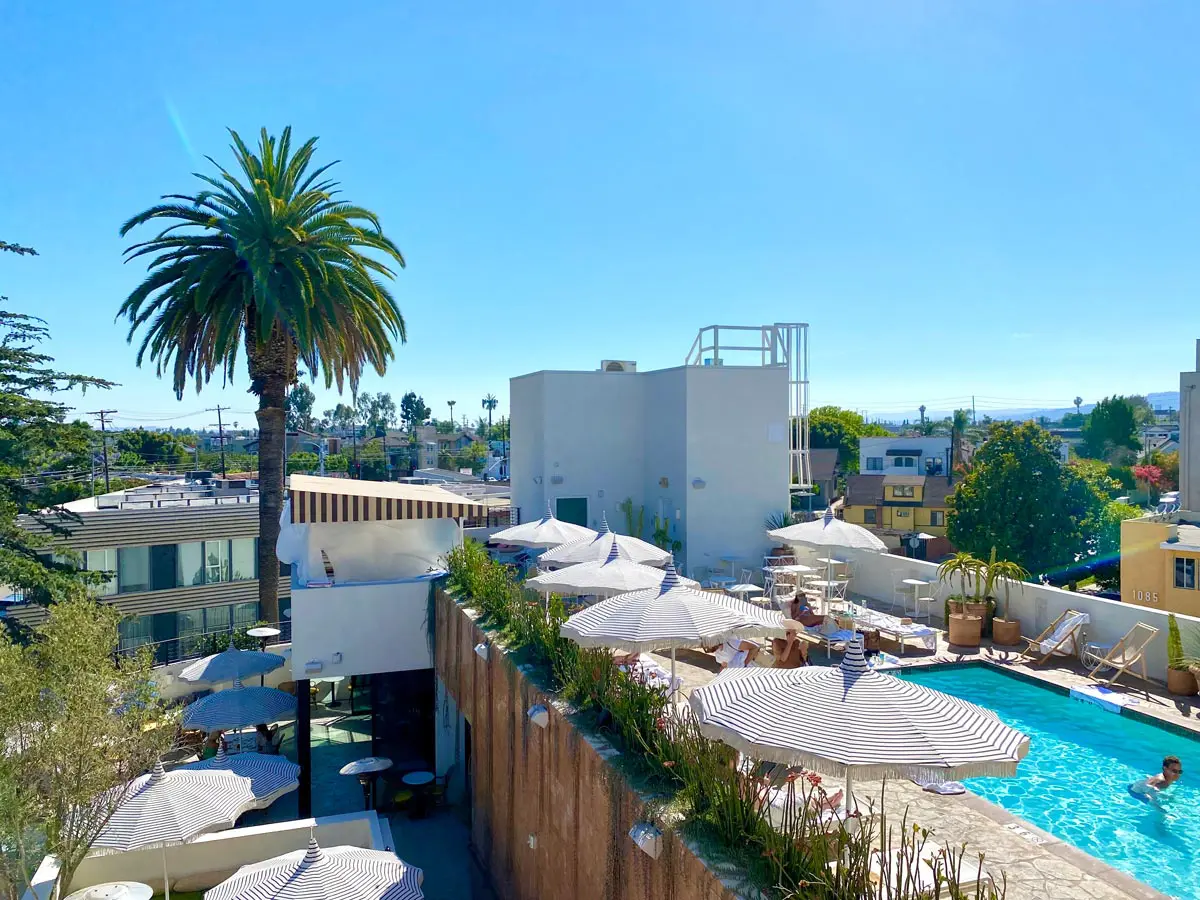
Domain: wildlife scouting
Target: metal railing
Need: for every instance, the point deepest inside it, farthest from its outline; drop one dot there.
(497, 517)
(200, 644)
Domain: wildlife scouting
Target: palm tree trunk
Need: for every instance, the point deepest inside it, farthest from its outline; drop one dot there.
(272, 370)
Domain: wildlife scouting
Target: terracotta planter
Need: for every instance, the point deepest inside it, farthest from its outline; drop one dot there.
(1181, 682)
(965, 630)
(976, 609)
(1006, 632)
(956, 607)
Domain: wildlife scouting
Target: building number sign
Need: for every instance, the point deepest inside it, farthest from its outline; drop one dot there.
(1147, 596)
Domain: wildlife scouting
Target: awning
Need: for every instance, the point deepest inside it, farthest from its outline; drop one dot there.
(329, 500)
(902, 453)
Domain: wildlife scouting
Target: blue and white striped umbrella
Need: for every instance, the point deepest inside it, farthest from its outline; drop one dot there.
(615, 574)
(232, 664)
(270, 777)
(829, 531)
(164, 808)
(237, 707)
(598, 548)
(544, 532)
(850, 721)
(339, 873)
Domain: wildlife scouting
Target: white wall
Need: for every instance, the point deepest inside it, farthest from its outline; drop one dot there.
(362, 552)
(1035, 605)
(375, 627)
(937, 447)
(1189, 437)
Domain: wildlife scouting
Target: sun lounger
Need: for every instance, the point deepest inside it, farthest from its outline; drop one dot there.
(1062, 638)
(1122, 656)
(643, 666)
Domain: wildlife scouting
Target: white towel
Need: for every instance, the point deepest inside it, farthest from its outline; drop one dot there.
(941, 787)
(1064, 628)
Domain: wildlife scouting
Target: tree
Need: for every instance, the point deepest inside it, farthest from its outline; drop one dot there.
(1078, 401)
(1109, 427)
(473, 456)
(840, 429)
(1020, 499)
(265, 256)
(959, 424)
(303, 461)
(151, 447)
(451, 403)
(300, 400)
(79, 721)
(385, 411)
(377, 412)
(1168, 465)
(341, 417)
(490, 403)
(503, 429)
(413, 411)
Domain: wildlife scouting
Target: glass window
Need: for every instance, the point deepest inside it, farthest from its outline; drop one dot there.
(104, 561)
(906, 462)
(937, 517)
(190, 564)
(903, 513)
(903, 490)
(244, 556)
(869, 516)
(136, 631)
(933, 465)
(245, 614)
(217, 618)
(216, 561)
(874, 463)
(133, 569)
(163, 568)
(1185, 573)
(190, 628)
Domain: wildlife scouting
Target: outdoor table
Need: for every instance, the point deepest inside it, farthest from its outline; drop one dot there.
(264, 633)
(789, 569)
(916, 584)
(741, 590)
(721, 580)
(366, 769)
(729, 560)
(420, 782)
(115, 890)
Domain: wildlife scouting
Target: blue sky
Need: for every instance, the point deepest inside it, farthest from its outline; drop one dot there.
(961, 198)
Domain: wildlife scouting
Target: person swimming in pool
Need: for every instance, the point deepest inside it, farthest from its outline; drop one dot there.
(1150, 788)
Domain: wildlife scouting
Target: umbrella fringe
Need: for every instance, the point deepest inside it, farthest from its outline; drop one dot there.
(665, 643)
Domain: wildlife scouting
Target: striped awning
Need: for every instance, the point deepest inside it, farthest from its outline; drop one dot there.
(848, 721)
(324, 501)
(339, 873)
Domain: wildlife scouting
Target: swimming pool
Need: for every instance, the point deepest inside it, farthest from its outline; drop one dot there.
(1074, 781)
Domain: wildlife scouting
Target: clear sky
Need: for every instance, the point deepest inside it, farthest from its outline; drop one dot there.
(997, 199)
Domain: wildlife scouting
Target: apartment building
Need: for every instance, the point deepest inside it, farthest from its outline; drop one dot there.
(904, 455)
(181, 558)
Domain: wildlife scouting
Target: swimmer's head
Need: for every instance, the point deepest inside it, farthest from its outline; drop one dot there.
(1172, 769)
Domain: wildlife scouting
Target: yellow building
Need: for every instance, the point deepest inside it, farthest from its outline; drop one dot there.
(1159, 563)
(897, 506)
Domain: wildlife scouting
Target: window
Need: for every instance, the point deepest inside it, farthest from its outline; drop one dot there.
(189, 626)
(869, 517)
(933, 465)
(245, 614)
(104, 561)
(136, 631)
(163, 568)
(216, 561)
(189, 565)
(1185, 573)
(244, 556)
(903, 513)
(937, 517)
(906, 462)
(133, 569)
(903, 490)
(217, 618)
(874, 463)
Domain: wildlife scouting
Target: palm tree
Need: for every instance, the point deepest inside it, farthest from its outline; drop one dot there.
(1007, 573)
(451, 403)
(1078, 403)
(962, 565)
(489, 403)
(265, 258)
(958, 428)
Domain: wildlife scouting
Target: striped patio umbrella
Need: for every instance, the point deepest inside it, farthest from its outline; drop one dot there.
(545, 532)
(232, 664)
(597, 549)
(616, 574)
(671, 615)
(849, 721)
(269, 777)
(237, 707)
(164, 808)
(339, 873)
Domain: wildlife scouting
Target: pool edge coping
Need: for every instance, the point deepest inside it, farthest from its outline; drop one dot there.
(1068, 852)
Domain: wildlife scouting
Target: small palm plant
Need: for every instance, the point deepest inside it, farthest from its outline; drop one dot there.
(960, 564)
(1007, 573)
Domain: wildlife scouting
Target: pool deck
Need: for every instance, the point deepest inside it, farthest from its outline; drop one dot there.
(1035, 864)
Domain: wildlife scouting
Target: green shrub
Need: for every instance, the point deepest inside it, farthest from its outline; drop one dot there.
(784, 848)
(1175, 659)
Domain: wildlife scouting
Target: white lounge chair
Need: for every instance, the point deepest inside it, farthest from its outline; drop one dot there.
(1121, 656)
(1062, 638)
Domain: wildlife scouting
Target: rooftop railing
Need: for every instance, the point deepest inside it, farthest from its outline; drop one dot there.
(205, 643)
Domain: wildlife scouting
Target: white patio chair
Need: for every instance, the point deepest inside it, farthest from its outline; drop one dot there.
(917, 605)
(899, 590)
(747, 576)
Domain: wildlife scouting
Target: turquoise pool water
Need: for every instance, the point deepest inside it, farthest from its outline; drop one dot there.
(1074, 781)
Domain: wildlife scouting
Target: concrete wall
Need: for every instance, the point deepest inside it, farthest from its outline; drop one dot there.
(1189, 437)
(550, 816)
(375, 628)
(1035, 605)
(209, 860)
(648, 436)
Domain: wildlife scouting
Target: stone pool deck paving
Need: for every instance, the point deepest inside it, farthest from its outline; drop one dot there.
(1035, 864)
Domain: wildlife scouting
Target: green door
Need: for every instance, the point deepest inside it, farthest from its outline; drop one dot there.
(572, 509)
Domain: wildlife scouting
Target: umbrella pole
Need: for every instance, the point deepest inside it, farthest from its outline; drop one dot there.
(166, 877)
(671, 692)
(849, 798)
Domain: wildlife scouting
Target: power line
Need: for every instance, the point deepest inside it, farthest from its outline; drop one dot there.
(104, 414)
(218, 409)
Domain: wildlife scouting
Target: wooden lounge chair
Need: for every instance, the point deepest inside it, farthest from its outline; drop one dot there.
(1061, 638)
(1123, 655)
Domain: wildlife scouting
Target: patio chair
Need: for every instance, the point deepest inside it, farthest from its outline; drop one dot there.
(1121, 656)
(1061, 638)
(747, 576)
(700, 575)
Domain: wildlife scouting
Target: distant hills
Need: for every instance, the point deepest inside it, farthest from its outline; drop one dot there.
(1157, 399)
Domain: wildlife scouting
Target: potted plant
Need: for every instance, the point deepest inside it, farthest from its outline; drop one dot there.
(964, 628)
(1006, 632)
(1180, 679)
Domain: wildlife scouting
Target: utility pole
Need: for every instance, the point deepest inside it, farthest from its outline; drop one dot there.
(218, 409)
(973, 422)
(103, 415)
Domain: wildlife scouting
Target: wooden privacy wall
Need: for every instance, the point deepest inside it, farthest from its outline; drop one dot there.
(553, 784)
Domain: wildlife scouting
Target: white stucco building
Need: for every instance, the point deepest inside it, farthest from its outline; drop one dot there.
(704, 447)
(1189, 437)
(904, 455)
